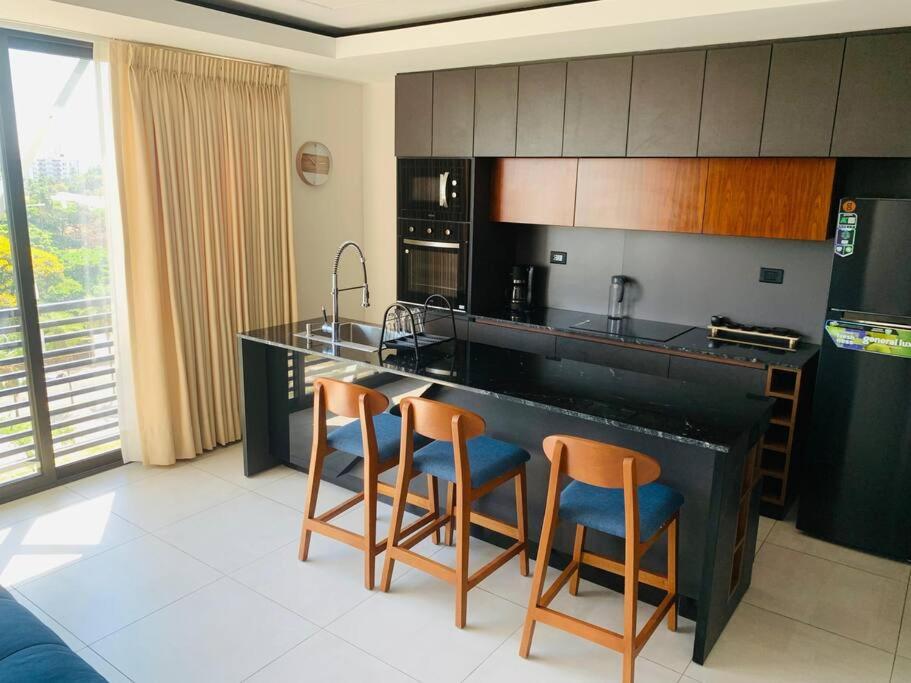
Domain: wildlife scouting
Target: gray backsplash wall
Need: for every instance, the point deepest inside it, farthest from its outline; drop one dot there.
(684, 278)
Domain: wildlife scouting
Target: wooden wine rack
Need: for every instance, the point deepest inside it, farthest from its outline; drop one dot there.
(777, 447)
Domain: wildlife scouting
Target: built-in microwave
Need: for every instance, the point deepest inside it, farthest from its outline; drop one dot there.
(434, 189)
(433, 259)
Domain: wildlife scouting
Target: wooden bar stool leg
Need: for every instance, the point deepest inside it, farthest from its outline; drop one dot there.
(313, 478)
(398, 514)
(450, 511)
(433, 495)
(630, 598)
(522, 520)
(463, 526)
(578, 546)
(672, 572)
(543, 558)
(370, 497)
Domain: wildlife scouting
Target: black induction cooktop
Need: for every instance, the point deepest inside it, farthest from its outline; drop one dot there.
(635, 328)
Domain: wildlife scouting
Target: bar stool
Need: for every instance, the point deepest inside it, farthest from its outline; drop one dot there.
(612, 491)
(375, 438)
(476, 464)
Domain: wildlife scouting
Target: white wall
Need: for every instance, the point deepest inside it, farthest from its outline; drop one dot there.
(379, 193)
(331, 112)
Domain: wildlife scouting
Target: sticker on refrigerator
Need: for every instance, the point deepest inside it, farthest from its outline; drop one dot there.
(845, 232)
(870, 338)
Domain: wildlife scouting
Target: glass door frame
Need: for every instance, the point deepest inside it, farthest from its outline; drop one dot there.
(50, 474)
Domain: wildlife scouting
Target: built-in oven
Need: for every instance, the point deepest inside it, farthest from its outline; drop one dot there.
(434, 189)
(433, 259)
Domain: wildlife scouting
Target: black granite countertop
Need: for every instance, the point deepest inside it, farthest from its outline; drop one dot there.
(706, 416)
(691, 339)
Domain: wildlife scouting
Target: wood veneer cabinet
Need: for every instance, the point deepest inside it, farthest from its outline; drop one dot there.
(413, 114)
(641, 194)
(453, 113)
(874, 102)
(780, 198)
(538, 191)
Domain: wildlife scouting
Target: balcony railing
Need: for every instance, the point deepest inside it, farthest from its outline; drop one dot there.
(78, 346)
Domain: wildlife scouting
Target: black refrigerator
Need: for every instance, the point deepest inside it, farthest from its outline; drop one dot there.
(856, 488)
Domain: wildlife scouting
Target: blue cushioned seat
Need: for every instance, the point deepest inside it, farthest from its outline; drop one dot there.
(488, 458)
(30, 651)
(602, 509)
(388, 430)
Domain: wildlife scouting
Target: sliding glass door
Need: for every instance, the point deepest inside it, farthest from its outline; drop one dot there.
(58, 401)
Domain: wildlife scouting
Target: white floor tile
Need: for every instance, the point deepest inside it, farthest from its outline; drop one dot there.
(224, 632)
(831, 596)
(235, 533)
(36, 504)
(228, 463)
(42, 544)
(560, 656)
(155, 502)
(109, 480)
(330, 582)
(292, 491)
(594, 603)
(97, 596)
(787, 535)
(759, 647)
(103, 666)
(904, 640)
(766, 525)
(66, 636)
(324, 657)
(412, 628)
(902, 671)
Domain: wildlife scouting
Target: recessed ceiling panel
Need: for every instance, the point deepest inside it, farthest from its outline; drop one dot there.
(342, 17)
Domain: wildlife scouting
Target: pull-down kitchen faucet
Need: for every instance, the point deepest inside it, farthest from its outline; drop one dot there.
(365, 297)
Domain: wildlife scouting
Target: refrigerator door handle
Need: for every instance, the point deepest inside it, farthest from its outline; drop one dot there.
(885, 321)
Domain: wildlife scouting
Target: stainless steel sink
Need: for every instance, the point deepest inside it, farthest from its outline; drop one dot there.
(349, 335)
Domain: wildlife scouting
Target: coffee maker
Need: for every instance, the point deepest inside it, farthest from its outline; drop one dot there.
(522, 282)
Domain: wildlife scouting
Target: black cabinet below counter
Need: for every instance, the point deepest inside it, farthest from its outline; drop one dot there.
(512, 338)
(613, 355)
(750, 380)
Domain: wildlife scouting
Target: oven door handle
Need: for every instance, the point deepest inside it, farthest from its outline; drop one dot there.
(444, 179)
(435, 245)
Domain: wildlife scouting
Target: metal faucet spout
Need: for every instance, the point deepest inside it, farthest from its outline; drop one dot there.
(365, 290)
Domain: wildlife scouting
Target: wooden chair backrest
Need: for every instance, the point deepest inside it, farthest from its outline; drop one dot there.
(439, 421)
(343, 398)
(599, 464)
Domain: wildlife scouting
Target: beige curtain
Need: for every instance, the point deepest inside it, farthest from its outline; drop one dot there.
(203, 155)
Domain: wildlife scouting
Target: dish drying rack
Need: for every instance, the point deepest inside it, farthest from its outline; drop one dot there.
(404, 327)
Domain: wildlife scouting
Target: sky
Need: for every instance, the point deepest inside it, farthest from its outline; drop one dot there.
(71, 131)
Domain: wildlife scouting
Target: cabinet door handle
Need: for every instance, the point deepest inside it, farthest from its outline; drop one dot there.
(444, 179)
(435, 245)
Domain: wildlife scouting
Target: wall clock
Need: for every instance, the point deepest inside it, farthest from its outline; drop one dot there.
(314, 162)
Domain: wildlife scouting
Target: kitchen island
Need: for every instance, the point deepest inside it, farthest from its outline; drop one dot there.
(704, 437)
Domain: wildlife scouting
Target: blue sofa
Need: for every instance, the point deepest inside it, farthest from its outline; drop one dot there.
(31, 652)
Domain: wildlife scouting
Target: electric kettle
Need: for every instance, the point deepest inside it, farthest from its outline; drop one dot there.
(616, 302)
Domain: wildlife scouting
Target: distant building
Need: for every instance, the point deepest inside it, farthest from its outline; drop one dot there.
(54, 168)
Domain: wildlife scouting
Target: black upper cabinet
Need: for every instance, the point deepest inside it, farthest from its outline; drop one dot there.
(733, 101)
(539, 124)
(874, 103)
(413, 114)
(453, 113)
(496, 94)
(800, 105)
(665, 100)
(597, 107)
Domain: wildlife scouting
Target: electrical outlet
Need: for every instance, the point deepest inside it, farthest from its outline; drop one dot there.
(773, 276)
(558, 257)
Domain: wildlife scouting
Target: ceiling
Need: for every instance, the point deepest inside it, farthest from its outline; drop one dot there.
(543, 32)
(347, 17)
